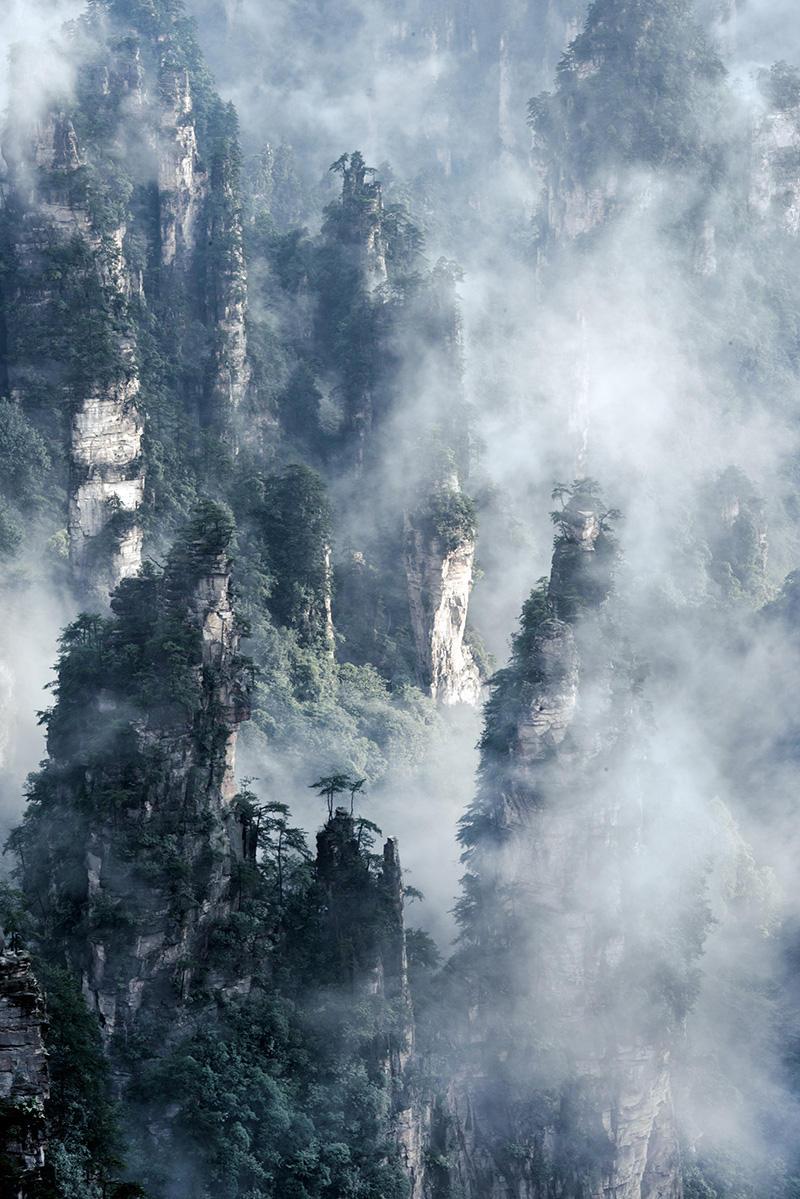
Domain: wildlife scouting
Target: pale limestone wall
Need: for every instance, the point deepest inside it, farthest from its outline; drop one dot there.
(439, 585)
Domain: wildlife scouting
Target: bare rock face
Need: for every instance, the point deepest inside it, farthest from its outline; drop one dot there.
(566, 1051)
(24, 1081)
(106, 473)
(439, 585)
(107, 480)
(182, 182)
(774, 176)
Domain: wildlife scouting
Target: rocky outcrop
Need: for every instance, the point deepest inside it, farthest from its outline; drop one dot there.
(367, 929)
(182, 180)
(86, 267)
(186, 808)
(198, 211)
(24, 1081)
(439, 574)
(362, 219)
(81, 348)
(107, 486)
(564, 1050)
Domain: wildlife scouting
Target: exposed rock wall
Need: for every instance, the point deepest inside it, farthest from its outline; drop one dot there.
(106, 479)
(198, 209)
(24, 1081)
(439, 585)
(54, 224)
(565, 1052)
(182, 180)
(80, 344)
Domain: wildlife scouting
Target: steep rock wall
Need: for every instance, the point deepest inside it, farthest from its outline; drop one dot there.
(92, 253)
(24, 1081)
(189, 799)
(565, 1053)
(94, 374)
(367, 929)
(439, 585)
(198, 209)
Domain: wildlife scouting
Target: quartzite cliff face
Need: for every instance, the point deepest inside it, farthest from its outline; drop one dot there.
(439, 578)
(69, 334)
(561, 1049)
(96, 248)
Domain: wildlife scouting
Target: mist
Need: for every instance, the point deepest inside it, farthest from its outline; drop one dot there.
(636, 342)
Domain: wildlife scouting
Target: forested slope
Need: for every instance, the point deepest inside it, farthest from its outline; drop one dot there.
(268, 414)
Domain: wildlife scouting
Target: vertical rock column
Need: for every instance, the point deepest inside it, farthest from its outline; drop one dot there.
(439, 584)
(107, 484)
(567, 1090)
(24, 1082)
(70, 290)
(149, 967)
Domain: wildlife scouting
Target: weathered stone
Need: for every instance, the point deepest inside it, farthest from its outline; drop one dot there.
(24, 1080)
(439, 585)
(558, 1017)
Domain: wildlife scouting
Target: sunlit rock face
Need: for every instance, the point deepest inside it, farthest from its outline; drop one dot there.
(24, 1080)
(106, 438)
(439, 585)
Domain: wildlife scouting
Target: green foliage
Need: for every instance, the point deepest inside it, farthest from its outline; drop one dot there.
(273, 1102)
(585, 551)
(331, 785)
(84, 1138)
(275, 185)
(780, 85)
(730, 521)
(637, 86)
(453, 518)
(24, 459)
(296, 523)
